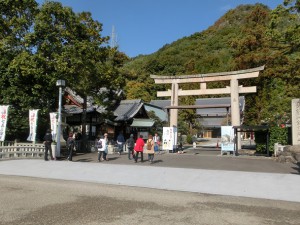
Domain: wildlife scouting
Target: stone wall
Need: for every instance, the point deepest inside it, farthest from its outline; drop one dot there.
(289, 154)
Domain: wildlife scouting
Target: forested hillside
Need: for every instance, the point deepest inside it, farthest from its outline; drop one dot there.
(248, 36)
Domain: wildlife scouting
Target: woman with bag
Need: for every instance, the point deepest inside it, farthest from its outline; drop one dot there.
(150, 148)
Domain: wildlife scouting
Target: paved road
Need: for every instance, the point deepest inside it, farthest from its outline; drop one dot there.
(205, 172)
(205, 158)
(198, 187)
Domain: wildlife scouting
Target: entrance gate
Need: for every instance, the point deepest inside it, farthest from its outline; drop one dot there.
(234, 89)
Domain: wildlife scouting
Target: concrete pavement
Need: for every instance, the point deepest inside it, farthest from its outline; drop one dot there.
(281, 184)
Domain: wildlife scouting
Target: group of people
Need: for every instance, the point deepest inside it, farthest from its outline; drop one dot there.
(152, 146)
(135, 148)
(70, 145)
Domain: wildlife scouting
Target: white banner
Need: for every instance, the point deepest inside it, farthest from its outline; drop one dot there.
(53, 122)
(3, 121)
(33, 118)
(227, 138)
(169, 138)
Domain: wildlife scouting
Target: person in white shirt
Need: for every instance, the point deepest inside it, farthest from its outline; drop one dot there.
(102, 146)
(156, 140)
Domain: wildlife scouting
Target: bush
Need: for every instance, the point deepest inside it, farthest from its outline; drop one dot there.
(189, 139)
(277, 135)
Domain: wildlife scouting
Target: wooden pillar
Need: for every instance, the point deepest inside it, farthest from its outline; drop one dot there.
(174, 102)
(235, 108)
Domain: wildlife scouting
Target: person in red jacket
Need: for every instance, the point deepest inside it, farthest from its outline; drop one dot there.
(139, 148)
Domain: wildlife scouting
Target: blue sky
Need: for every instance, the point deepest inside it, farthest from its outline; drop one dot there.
(144, 26)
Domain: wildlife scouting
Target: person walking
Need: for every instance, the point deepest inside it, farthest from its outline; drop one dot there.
(150, 148)
(70, 146)
(120, 142)
(130, 146)
(180, 140)
(194, 140)
(101, 148)
(139, 148)
(156, 140)
(47, 143)
(105, 140)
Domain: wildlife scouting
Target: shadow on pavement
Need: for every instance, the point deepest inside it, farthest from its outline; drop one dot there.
(297, 168)
(157, 161)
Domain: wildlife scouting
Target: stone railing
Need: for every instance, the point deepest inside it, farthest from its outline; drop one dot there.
(21, 150)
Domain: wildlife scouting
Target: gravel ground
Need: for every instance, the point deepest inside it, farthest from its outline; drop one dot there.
(35, 201)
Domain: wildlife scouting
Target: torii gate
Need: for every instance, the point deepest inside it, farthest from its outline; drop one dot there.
(234, 90)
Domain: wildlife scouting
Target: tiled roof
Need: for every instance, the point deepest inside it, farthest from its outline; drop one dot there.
(161, 103)
(217, 101)
(127, 109)
(159, 112)
(142, 123)
(77, 107)
(212, 121)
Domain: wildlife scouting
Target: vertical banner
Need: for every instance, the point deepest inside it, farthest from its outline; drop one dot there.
(169, 138)
(33, 118)
(53, 123)
(227, 138)
(3, 121)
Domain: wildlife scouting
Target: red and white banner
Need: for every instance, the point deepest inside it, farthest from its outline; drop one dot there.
(3, 121)
(33, 118)
(53, 123)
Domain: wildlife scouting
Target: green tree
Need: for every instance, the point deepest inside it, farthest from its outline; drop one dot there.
(76, 52)
(16, 64)
(50, 43)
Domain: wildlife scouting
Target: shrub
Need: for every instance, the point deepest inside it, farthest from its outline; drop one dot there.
(189, 139)
(277, 135)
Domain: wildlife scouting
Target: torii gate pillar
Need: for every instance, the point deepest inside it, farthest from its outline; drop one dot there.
(235, 105)
(174, 102)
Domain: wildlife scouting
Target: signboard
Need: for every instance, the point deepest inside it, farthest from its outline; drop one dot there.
(227, 138)
(144, 133)
(169, 139)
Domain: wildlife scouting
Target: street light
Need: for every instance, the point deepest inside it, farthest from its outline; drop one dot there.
(60, 84)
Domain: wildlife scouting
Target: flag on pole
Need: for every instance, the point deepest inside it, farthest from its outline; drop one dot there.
(3, 120)
(33, 118)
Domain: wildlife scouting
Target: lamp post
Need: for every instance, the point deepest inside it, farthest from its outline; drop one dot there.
(60, 84)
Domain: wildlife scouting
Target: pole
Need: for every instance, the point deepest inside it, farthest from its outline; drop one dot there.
(59, 123)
